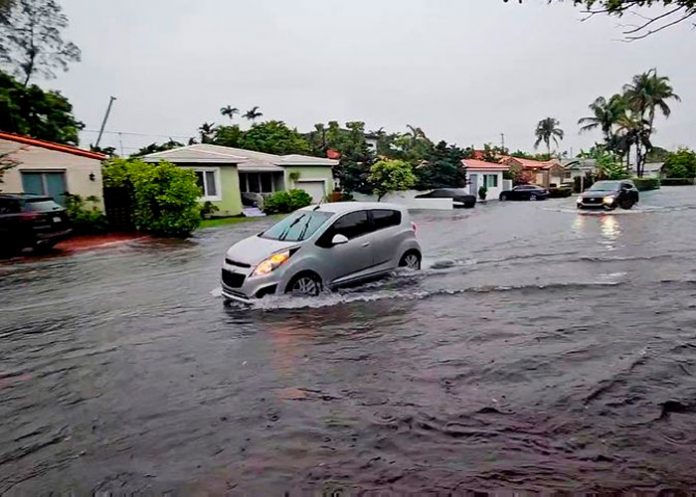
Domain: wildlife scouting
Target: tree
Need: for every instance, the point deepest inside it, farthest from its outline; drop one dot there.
(680, 164)
(443, 168)
(391, 175)
(29, 110)
(229, 111)
(206, 130)
(608, 166)
(275, 137)
(673, 13)
(547, 130)
(253, 114)
(605, 114)
(31, 42)
(158, 147)
(228, 136)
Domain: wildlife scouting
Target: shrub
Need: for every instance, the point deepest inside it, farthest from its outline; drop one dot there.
(482, 192)
(680, 164)
(389, 175)
(677, 181)
(288, 201)
(209, 209)
(645, 184)
(164, 196)
(84, 214)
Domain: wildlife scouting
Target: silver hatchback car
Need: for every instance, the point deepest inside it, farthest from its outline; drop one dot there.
(328, 245)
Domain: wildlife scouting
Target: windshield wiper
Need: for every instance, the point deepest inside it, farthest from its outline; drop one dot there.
(304, 229)
(286, 231)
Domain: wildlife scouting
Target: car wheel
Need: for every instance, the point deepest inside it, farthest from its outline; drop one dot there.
(532, 197)
(610, 207)
(411, 260)
(627, 205)
(305, 284)
(503, 197)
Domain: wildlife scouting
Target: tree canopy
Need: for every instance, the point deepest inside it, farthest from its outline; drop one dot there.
(389, 175)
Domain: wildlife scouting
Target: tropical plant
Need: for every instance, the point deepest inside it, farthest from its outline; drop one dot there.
(608, 166)
(286, 201)
(680, 164)
(164, 196)
(29, 110)
(441, 168)
(482, 192)
(229, 111)
(548, 129)
(605, 114)
(85, 215)
(206, 131)
(253, 114)
(157, 147)
(275, 137)
(31, 41)
(389, 175)
(228, 136)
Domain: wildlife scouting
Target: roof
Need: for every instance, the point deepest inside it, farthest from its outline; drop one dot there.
(530, 163)
(579, 163)
(343, 207)
(487, 166)
(246, 160)
(58, 147)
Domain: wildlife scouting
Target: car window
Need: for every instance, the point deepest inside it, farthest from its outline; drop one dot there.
(8, 206)
(298, 226)
(521, 187)
(41, 205)
(385, 218)
(351, 225)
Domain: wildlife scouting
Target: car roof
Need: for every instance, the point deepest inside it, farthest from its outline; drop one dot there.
(24, 196)
(344, 207)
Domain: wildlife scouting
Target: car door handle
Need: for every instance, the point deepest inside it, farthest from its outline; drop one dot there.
(366, 244)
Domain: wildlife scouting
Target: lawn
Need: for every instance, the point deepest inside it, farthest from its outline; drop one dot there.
(224, 221)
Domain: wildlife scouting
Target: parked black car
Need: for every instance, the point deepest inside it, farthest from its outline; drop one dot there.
(459, 196)
(525, 192)
(609, 195)
(31, 221)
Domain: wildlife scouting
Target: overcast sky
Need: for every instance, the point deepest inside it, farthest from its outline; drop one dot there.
(465, 71)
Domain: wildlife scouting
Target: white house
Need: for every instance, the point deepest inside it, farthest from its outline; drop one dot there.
(52, 169)
(489, 174)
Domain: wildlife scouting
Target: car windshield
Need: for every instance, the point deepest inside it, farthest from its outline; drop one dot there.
(605, 186)
(297, 227)
(42, 205)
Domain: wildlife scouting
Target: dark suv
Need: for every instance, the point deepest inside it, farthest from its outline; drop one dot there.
(609, 195)
(31, 221)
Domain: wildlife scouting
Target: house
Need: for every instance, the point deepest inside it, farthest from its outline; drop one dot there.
(488, 174)
(225, 173)
(578, 167)
(542, 173)
(52, 169)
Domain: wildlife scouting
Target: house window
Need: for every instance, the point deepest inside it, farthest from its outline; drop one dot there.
(256, 182)
(491, 180)
(207, 180)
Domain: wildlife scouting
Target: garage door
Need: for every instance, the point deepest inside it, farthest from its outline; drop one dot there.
(314, 188)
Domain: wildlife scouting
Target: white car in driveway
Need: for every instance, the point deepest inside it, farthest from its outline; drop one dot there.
(324, 246)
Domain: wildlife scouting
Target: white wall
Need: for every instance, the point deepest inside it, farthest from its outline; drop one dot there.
(32, 158)
(407, 199)
(493, 192)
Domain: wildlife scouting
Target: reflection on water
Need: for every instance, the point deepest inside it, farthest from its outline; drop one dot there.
(611, 228)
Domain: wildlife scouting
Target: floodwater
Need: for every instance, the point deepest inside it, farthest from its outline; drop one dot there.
(540, 350)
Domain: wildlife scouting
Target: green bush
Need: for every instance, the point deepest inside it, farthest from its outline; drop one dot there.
(209, 209)
(85, 219)
(645, 184)
(287, 201)
(677, 181)
(482, 192)
(164, 196)
(680, 164)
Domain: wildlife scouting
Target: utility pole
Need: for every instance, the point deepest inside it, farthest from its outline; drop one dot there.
(106, 117)
(502, 141)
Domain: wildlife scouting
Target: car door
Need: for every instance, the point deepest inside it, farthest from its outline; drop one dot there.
(350, 260)
(385, 238)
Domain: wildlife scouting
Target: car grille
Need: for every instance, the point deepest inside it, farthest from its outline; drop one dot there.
(232, 280)
(593, 200)
(237, 263)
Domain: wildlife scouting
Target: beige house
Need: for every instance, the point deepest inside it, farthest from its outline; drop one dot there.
(226, 174)
(52, 169)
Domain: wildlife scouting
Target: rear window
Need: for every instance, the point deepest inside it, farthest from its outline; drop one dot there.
(41, 206)
(386, 218)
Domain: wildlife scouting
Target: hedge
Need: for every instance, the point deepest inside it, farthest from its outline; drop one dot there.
(645, 184)
(286, 201)
(677, 181)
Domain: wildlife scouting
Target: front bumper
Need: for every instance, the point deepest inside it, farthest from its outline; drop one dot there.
(238, 284)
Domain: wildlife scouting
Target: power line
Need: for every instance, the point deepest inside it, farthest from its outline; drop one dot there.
(133, 133)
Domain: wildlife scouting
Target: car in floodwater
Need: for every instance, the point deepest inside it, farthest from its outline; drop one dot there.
(609, 195)
(34, 221)
(460, 197)
(324, 246)
(525, 192)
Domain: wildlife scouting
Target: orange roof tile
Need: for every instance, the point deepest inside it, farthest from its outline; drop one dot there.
(59, 147)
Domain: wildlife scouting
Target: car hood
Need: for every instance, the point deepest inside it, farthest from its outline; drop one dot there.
(597, 193)
(254, 249)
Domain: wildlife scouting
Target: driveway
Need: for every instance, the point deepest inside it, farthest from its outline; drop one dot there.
(540, 348)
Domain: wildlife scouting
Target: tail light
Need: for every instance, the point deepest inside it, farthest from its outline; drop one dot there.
(30, 216)
(414, 227)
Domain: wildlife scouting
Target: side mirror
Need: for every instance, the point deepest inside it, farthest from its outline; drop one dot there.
(339, 240)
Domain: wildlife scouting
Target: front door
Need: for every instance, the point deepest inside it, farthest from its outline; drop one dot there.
(349, 260)
(473, 184)
(50, 184)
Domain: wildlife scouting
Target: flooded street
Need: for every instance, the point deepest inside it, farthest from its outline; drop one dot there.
(538, 349)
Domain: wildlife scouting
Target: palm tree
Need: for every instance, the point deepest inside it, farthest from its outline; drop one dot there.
(206, 130)
(647, 93)
(605, 113)
(253, 114)
(547, 130)
(229, 111)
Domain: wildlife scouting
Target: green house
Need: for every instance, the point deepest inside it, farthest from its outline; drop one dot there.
(225, 173)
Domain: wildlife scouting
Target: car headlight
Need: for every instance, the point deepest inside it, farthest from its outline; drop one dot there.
(272, 263)
(579, 200)
(609, 199)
